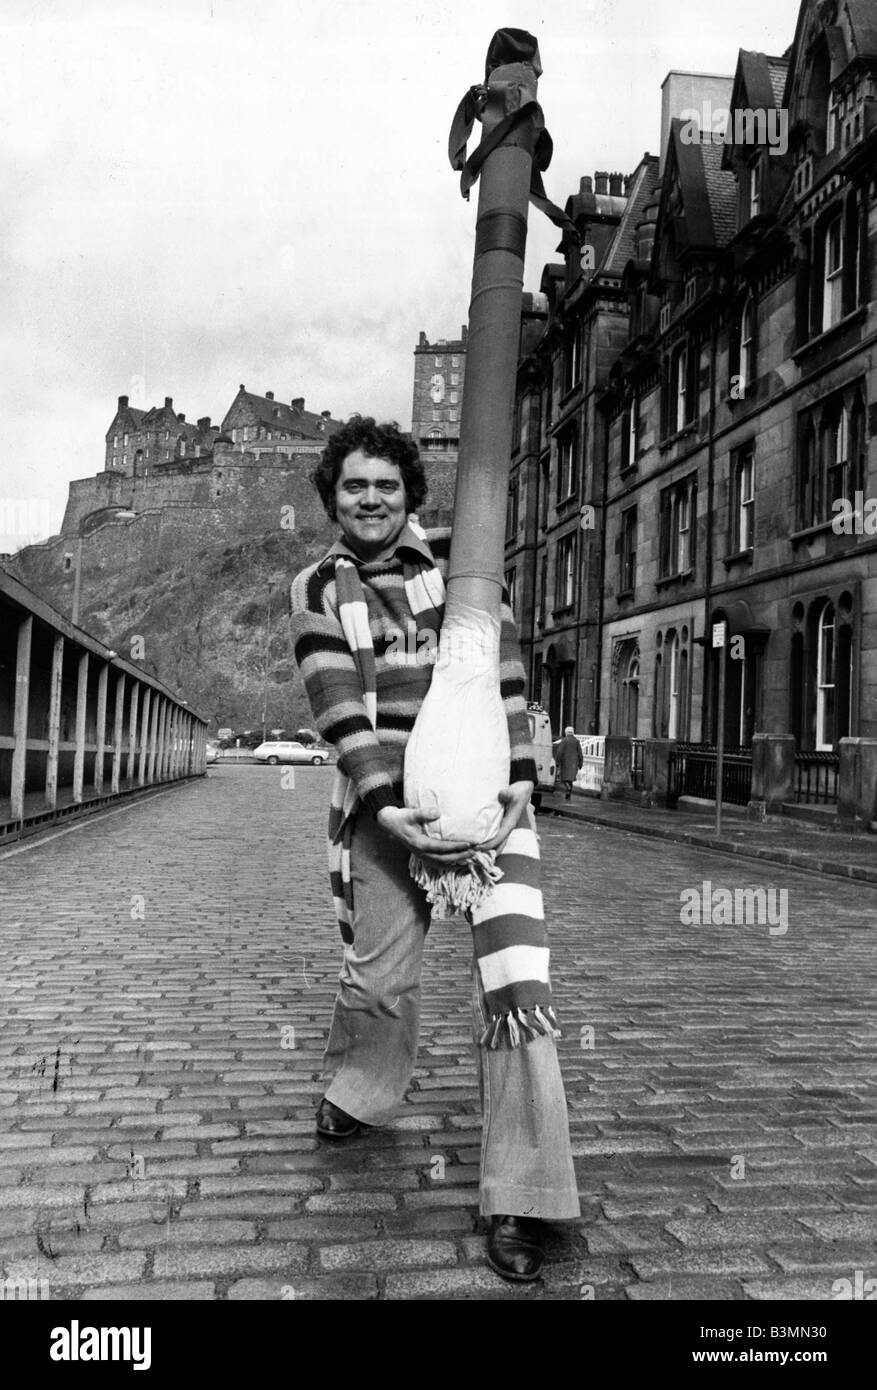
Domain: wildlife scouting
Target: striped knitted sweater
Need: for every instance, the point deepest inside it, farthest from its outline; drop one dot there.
(374, 758)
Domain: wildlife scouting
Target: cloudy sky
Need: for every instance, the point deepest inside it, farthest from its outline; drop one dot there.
(207, 192)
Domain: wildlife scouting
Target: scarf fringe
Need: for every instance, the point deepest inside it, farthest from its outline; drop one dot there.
(460, 887)
(507, 1029)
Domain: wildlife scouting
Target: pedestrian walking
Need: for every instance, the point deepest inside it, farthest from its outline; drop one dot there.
(381, 578)
(569, 758)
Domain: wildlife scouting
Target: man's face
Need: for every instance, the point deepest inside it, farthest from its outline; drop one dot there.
(370, 504)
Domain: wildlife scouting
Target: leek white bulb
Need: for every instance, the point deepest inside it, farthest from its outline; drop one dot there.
(457, 757)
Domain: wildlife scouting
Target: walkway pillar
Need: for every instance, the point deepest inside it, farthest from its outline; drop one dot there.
(132, 732)
(144, 735)
(55, 681)
(155, 714)
(19, 723)
(101, 728)
(81, 709)
(117, 730)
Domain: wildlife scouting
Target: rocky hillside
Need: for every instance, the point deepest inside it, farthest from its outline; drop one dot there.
(197, 618)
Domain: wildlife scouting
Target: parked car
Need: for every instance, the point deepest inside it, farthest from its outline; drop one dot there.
(543, 751)
(276, 751)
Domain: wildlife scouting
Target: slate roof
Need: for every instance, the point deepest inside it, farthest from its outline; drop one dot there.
(277, 415)
(778, 69)
(721, 190)
(863, 23)
(642, 192)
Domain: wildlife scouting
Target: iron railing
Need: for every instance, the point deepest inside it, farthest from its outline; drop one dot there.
(816, 775)
(692, 772)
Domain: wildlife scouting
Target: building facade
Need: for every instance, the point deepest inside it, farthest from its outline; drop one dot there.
(439, 377)
(728, 448)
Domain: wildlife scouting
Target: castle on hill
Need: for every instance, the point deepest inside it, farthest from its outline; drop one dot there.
(156, 459)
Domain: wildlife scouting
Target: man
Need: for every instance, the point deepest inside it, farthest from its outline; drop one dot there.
(569, 758)
(381, 579)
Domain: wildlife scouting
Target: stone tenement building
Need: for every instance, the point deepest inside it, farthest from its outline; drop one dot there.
(729, 330)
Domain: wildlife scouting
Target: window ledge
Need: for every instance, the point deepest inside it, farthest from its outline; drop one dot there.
(628, 468)
(679, 434)
(683, 577)
(566, 608)
(809, 532)
(814, 344)
(739, 557)
(623, 594)
(565, 501)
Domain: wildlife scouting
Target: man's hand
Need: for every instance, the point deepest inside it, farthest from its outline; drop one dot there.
(403, 823)
(514, 798)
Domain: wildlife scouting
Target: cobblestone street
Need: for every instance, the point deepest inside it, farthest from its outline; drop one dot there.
(167, 974)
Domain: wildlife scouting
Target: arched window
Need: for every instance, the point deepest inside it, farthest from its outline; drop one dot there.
(755, 188)
(747, 345)
(832, 287)
(837, 458)
(680, 387)
(857, 444)
(825, 678)
(630, 703)
(673, 687)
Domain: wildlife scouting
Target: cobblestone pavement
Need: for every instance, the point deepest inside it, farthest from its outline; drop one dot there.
(158, 1120)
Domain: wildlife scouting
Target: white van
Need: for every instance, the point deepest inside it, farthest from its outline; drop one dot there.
(540, 731)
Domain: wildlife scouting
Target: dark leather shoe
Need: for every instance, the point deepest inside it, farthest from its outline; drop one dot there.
(514, 1248)
(334, 1123)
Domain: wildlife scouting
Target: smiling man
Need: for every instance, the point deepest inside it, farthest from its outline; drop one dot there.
(384, 577)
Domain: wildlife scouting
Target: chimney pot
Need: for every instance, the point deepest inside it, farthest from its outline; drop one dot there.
(586, 184)
(181, 417)
(269, 395)
(298, 402)
(601, 182)
(204, 424)
(123, 402)
(423, 342)
(616, 185)
(242, 387)
(326, 414)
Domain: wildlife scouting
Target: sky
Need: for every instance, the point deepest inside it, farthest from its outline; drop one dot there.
(203, 193)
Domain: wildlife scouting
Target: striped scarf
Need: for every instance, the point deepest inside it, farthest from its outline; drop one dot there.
(508, 926)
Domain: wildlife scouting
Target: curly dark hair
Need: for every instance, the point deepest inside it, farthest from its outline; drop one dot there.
(385, 441)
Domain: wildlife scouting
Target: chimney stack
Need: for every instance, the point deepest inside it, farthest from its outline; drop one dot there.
(204, 424)
(326, 414)
(123, 402)
(423, 340)
(269, 395)
(168, 402)
(181, 417)
(585, 184)
(298, 403)
(616, 185)
(601, 182)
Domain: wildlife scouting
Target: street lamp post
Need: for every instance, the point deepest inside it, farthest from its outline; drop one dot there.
(271, 588)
